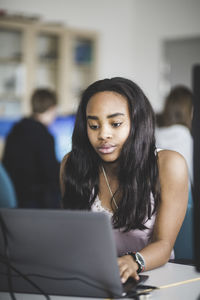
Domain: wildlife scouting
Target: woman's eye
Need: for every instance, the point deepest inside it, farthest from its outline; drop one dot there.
(93, 126)
(116, 124)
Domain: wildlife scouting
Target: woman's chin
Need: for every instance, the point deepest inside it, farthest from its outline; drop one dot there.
(109, 160)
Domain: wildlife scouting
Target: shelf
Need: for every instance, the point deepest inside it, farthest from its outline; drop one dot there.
(47, 61)
(10, 97)
(11, 60)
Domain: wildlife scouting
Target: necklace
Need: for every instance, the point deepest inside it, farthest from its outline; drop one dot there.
(108, 185)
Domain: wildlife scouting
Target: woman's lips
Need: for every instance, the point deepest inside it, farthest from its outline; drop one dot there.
(106, 149)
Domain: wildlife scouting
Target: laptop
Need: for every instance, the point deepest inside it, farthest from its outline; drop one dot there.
(59, 252)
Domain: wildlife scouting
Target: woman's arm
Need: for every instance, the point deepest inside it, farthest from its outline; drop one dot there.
(173, 176)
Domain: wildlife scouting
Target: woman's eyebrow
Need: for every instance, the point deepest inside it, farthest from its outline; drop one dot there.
(115, 115)
(109, 116)
(92, 117)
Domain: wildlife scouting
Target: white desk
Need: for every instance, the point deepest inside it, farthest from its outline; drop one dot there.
(166, 275)
(171, 274)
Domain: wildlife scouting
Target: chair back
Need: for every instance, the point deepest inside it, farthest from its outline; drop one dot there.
(7, 192)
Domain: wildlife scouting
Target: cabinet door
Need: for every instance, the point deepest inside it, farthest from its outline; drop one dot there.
(12, 71)
(83, 62)
(47, 50)
(51, 63)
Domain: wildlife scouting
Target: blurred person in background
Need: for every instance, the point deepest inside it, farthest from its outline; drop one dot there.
(29, 155)
(173, 130)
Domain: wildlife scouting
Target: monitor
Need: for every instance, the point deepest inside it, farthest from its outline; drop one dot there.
(61, 129)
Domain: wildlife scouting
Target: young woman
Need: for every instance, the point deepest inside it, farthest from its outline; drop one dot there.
(114, 167)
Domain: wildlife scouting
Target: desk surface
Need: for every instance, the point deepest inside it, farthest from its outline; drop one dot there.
(176, 282)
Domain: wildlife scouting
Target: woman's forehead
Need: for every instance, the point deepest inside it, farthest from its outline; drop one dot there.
(107, 101)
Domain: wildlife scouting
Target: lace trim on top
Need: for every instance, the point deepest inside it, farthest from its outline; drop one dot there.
(97, 207)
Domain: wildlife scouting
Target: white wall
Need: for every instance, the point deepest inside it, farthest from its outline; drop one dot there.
(156, 21)
(131, 31)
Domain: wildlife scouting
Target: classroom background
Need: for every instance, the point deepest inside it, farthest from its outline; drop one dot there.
(67, 44)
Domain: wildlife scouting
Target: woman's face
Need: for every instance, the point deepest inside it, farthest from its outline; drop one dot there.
(108, 124)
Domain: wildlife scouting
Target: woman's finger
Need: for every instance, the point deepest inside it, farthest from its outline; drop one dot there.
(125, 275)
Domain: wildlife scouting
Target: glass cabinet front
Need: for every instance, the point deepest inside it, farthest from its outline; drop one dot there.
(47, 53)
(12, 72)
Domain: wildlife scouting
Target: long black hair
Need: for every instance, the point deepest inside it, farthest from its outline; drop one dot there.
(138, 168)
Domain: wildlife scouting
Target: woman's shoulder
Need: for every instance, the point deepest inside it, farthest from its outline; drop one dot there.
(169, 157)
(172, 163)
(63, 162)
(169, 154)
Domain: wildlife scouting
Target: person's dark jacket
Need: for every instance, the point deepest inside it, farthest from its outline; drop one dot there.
(29, 157)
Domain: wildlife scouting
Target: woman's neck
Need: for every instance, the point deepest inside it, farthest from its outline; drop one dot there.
(111, 169)
(108, 186)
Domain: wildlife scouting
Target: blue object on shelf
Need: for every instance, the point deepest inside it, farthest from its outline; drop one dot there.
(83, 52)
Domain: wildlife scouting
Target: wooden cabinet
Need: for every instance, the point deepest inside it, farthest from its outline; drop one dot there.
(34, 55)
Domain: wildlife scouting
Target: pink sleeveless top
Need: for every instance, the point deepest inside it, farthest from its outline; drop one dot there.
(134, 240)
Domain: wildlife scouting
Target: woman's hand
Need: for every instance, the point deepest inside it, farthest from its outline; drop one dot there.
(127, 268)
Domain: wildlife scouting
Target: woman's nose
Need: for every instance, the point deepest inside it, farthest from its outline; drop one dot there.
(105, 133)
